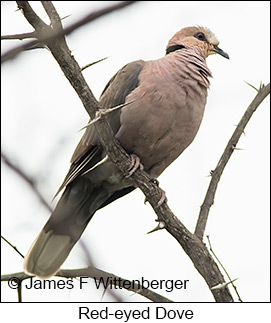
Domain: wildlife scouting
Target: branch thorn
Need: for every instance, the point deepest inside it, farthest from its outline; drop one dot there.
(161, 225)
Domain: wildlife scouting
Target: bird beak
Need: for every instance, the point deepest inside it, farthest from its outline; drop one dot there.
(219, 51)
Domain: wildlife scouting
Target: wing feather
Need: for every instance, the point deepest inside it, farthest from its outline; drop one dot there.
(89, 150)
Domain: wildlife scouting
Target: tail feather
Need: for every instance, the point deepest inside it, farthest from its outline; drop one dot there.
(47, 254)
(68, 221)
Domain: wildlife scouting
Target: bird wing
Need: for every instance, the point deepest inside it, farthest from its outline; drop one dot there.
(89, 151)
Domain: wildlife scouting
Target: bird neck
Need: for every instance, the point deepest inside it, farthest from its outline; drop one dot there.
(190, 63)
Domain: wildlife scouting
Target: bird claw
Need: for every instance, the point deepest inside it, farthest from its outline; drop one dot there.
(155, 181)
(162, 200)
(135, 164)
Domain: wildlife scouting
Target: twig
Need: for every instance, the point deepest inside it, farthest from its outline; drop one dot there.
(38, 24)
(26, 178)
(19, 293)
(59, 33)
(230, 280)
(19, 288)
(19, 36)
(231, 146)
(93, 63)
(220, 286)
(102, 113)
(52, 14)
(252, 86)
(15, 248)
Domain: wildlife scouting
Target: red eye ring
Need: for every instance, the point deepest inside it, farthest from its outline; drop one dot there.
(200, 36)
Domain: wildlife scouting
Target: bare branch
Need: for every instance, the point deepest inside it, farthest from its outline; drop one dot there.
(19, 293)
(93, 63)
(52, 14)
(20, 36)
(30, 181)
(103, 113)
(220, 286)
(231, 146)
(38, 24)
(58, 33)
(12, 246)
(252, 86)
(230, 280)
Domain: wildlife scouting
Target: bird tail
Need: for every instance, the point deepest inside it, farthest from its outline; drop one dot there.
(74, 210)
(47, 254)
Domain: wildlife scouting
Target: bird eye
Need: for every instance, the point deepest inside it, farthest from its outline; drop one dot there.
(200, 36)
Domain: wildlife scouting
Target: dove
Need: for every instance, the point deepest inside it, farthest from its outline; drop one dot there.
(167, 98)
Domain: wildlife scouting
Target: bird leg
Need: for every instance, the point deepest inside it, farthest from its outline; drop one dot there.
(135, 163)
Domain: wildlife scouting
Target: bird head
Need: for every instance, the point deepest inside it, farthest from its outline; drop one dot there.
(201, 39)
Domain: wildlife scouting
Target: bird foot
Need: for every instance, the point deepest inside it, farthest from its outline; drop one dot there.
(163, 198)
(135, 164)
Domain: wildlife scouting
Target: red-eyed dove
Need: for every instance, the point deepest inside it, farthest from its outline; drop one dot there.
(168, 97)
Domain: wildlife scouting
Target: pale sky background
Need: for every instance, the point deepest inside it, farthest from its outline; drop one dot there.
(42, 115)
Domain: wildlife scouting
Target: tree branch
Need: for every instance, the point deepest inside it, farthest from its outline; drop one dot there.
(231, 146)
(59, 33)
(53, 15)
(31, 182)
(93, 63)
(220, 263)
(19, 36)
(12, 246)
(38, 24)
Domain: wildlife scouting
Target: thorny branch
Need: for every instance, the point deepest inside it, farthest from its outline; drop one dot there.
(230, 280)
(19, 36)
(54, 34)
(15, 248)
(30, 182)
(231, 146)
